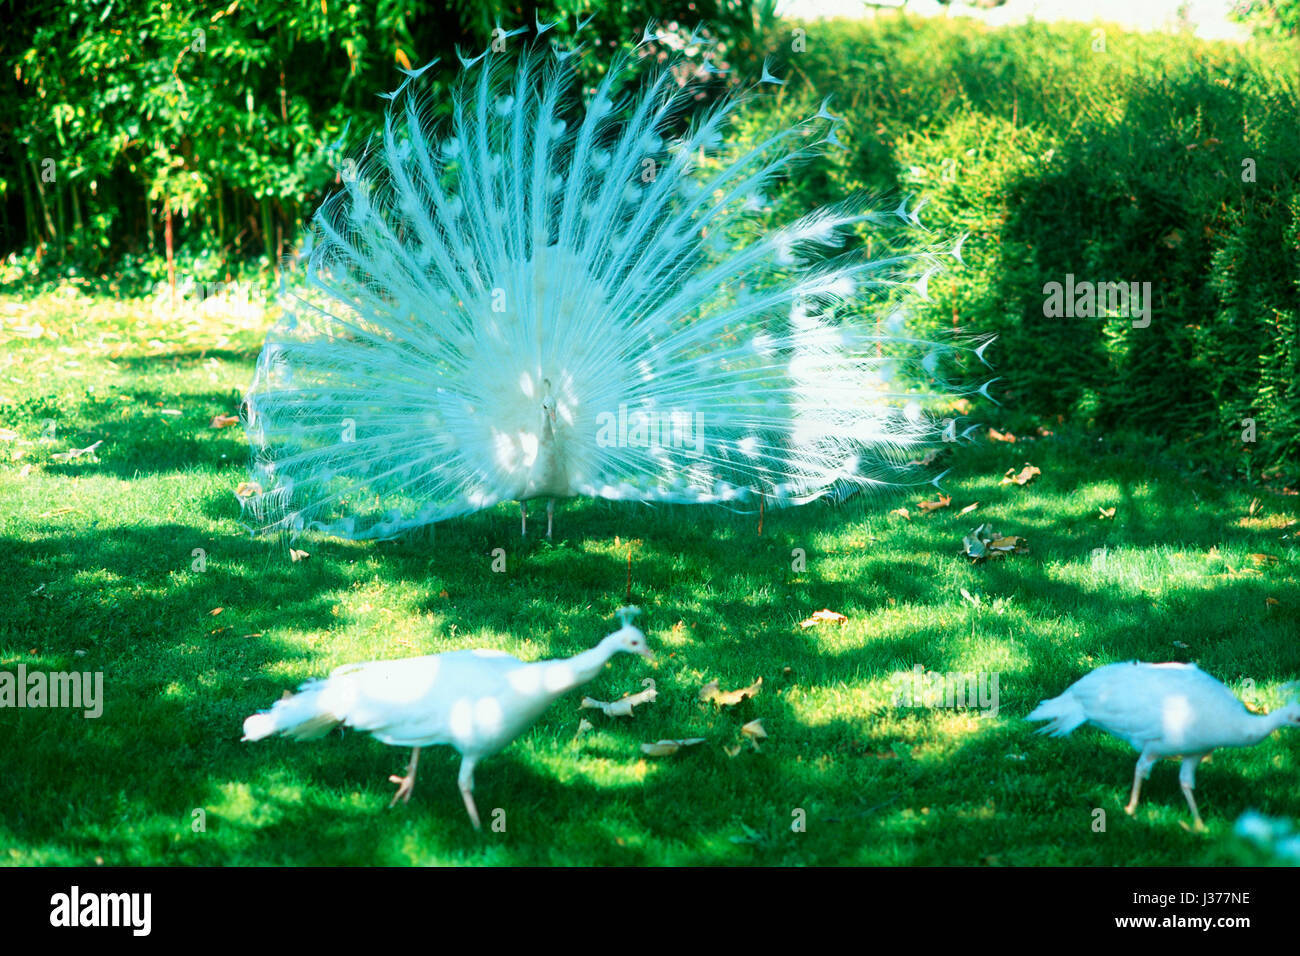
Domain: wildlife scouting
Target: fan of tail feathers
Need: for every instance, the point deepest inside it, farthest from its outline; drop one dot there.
(526, 303)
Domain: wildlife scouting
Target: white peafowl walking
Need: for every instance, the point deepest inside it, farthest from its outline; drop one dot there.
(476, 701)
(539, 301)
(1163, 710)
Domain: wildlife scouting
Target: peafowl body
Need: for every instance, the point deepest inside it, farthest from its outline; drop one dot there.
(1162, 710)
(476, 701)
(538, 302)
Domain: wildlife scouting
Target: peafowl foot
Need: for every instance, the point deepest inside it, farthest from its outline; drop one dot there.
(405, 785)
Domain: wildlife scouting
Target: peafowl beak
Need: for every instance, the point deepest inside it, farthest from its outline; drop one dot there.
(647, 654)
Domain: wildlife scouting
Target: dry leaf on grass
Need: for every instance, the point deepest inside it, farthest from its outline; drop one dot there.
(622, 707)
(74, 453)
(968, 509)
(662, 748)
(754, 732)
(928, 458)
(1106, 512)
(710, 692)
(824, 614)
(223, 421)
(902, 513)
(248, 489)
(995, 435)
(984, 543)
(1022, 477)
(942, 501)
(295, 555)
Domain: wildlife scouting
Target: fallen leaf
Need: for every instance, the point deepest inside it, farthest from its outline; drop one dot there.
(1263, 560)
(928, 458)
(731, 750)
(710, 692)
(968, 509)
(1010, 543)
(1271, 602)
(823, 615)
(295, 555)
(1023, 477)
(662, 748)
(1106, 512)
(942, 501)
(984, 543)
(902, 513)
(623, 707)
(995, 435)
(215, 611)
(248, 489)
(73, 453)
(223, 421)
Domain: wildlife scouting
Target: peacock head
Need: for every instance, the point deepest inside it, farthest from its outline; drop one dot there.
(548, 402)
(1290, 714)
(629, 637)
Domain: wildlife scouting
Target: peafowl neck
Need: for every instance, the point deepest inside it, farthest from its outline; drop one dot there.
(1264, 724)
(560, 676)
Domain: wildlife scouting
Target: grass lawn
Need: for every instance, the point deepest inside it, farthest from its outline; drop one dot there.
(101, 574)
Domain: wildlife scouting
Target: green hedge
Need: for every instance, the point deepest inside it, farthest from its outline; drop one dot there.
(1071, 149)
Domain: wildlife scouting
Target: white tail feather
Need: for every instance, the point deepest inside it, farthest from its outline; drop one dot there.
(1064, 712)
(613, 268)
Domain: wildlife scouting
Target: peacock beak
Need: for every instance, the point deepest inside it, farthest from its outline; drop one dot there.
(647, 654)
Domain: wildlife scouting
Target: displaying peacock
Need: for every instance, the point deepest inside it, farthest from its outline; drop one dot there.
(539, 301)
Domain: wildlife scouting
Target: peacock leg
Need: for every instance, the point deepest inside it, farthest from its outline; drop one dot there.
(405, 784)
(466, 781)
(523, 518)
(1187, 779)
(1140, 773)
(550, 516)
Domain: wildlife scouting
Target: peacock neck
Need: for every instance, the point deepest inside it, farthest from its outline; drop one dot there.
(1261, 725)
(588, 664)
(560, 676)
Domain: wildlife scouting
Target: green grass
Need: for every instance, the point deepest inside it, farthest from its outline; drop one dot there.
(98, 556)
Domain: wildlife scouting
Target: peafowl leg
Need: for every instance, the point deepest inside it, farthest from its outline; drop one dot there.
(1140, 773)
(466, 781)
(1187, 779)
(550, 516)
(523, 519)
(405, 784)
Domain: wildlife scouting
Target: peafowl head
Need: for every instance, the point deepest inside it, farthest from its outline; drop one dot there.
(629, 637)
(548, 404)
(1289, 714)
